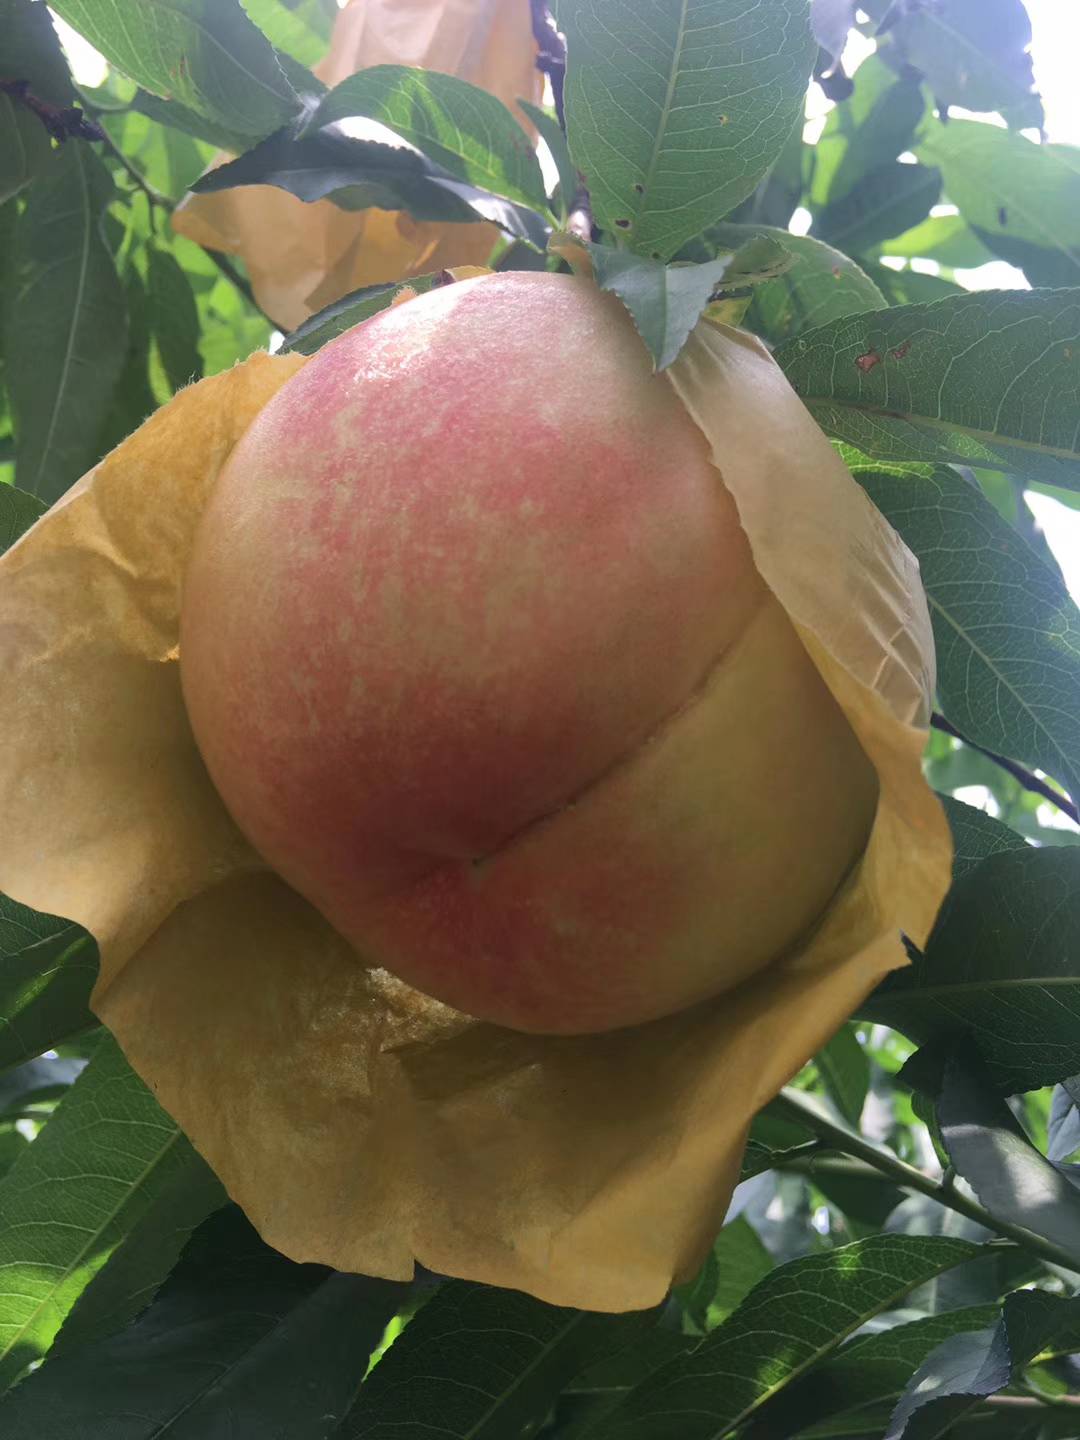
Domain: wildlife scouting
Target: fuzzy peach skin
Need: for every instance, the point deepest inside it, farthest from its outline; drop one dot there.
(477, 656)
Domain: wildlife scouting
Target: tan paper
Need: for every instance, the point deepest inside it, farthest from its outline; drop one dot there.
(357, 1122)
(302, 257)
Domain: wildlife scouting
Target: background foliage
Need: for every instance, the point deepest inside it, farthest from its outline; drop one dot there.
(902, 1257)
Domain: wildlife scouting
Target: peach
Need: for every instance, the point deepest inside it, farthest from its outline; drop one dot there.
(475, 651)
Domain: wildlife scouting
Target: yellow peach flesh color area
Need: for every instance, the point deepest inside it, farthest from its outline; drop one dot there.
(476, 654)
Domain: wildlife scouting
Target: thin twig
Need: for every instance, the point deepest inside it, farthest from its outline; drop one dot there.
(154, 196)
(1028, 780)
(229, 270)
(886, 1163)
(1031, 1402)
(162, 202)
(1063, 1402)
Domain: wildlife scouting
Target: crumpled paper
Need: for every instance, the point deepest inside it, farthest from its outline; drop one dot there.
(357, 1122)
(301, 257)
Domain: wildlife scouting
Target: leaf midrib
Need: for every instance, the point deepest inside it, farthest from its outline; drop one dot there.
(665, 114)
(92, 1240)
(912, 417)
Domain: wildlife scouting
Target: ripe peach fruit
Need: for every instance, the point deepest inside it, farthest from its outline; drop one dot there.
(475, 651)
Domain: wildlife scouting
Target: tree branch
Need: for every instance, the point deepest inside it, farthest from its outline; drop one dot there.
(1031, 1401)
(884, 1162)
(63, 122)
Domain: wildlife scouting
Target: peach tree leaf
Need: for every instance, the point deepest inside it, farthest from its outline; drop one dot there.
(675, 112)
(989, 379)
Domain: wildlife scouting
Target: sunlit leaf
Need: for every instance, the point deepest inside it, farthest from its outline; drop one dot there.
(674, 113)
(206, 55)
(991, 379)
(468, 131)
(71, 1198)
(239, 1340)
(793, 1319)
(47, 969)
(1021, 199)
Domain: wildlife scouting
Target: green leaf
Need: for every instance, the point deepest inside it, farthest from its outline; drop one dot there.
(32, 51)
(774, 199)
(133, 397)
(482, 1364)
(888, 200)
(675, 112)
(136, 1270)
(868, 1369)
(908, 287)
(948, 239)
(12, 1145)
(18, 511)
(301, 28)
(173, 317)
(231, 329)
(820, 285)
(1021, 199)
(69, 1200)
(737, 1261)
(351, 310)
(666, 301)
(976, 835)
(1001, 967)
(167, 158)
(600, 1386)
(360, 174)
(466, 130)
(973, 53)
(793, 1319)
(204, 54)
(1006, 630)
(967, 1368)
(240, 1341)
(552, 135)
(65, 323)
(25, 150)
(867, 131)
(990, 1150)
(174, 116)
(845, 1071)
(986, 379)
(47, 969)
